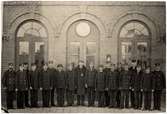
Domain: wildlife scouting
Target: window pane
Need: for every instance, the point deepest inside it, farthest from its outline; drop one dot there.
(32, 32)
(74, 52)
(23, 52)
(39, 53)
(126, 51)
(90, 52)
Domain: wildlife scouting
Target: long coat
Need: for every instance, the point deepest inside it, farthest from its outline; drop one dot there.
(9, 79)
(52, 73)
(100, 81)
(45, 80)
(112, 81)
(22, 80)
(80, 80)
(71, 80)
(61, 79)
(146, 82)
(34, 79)
(158, 80)
(107, 73)
(124, 80)
(91, 77)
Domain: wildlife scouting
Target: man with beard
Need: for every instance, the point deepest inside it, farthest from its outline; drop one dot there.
(90, 83)
(80, 82)
(8, 82)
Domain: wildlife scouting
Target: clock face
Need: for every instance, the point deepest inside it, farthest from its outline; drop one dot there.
(83, 29)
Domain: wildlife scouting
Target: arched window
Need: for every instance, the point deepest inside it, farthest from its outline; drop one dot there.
(134, 40)
(31, 40)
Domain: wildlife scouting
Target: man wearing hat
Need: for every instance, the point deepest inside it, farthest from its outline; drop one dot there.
(60, 85)
(8, 82)
(158, 85)
(80, 82)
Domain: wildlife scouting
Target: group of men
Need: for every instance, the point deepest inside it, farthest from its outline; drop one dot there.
(123, 86)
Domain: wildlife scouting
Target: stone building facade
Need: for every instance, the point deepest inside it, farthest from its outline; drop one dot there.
(95, 32)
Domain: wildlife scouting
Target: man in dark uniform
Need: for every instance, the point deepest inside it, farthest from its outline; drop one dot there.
(132, 74)
(45, 85)
(34, 85)
(158, 85)
(124, 87)
(25, 65)
(80, 82)
(90, 83)
(52, 72)
(100, 86)
(21, 86)
(135, 86)
(61, 85)
(112, 86)
(70, 85)
(8, 82)
(107, 72)
(146, 87)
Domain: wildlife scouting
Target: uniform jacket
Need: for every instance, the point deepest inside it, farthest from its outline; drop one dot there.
(34, 79)
(61, 79)
(52, 73)
(91, 77)
(158, 80)
(100, 81)
(112, 81)
(107, 73)
(146, 82)
(71, 80)
(80, 80)
(124, 80)
(9, 80)
(45, 80)
(22, 80)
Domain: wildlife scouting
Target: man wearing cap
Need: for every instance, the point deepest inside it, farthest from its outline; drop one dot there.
(80, 82)
(60, 85)
(8, 82)
(34, 85)
(52, 72)
(45, 85)
(158, 85)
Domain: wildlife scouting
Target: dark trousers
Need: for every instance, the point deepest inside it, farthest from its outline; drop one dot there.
(118, 98)
(21, 99)
(112, 94)
(46, 97)
(34, 98)
(101, 99)
(132, 98)
(91, 96)
(107, 98)
(80, 99)
(70, 97)
(124, 99)
(26, 98)
(147, 100)
(137, 99)
(157, 99)
(60, 96)
(52, 96)
(10, 95)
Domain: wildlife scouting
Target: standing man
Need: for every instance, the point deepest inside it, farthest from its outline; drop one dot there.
(61, 85)
(124, 87)
(45, 85)
(158, 86)
(25, 65)
(146, 87)
(112, 86)
(34, 85)
(8, 82)
(80, 82)
(52, 73)
(90, 83)
(70, 85)
(21, 86)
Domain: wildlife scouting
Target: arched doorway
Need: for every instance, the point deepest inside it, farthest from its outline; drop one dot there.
(31, 43)
(135, 43)
(83, 42)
